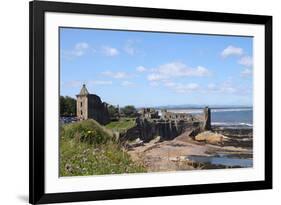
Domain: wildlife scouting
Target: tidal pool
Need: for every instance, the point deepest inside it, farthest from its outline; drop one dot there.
(225, 160)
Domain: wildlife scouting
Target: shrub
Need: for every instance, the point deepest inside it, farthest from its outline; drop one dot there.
(82, 159)
(87, 148)
(88, 131)
(129, 111)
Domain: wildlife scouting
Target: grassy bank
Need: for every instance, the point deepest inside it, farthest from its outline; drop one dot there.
(122, 124)
(87, 148)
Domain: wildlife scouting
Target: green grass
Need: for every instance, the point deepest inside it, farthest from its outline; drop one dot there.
(88, 131)
(121, 125)
(87, 148)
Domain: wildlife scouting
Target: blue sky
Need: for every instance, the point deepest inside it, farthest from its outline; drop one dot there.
(155, 69)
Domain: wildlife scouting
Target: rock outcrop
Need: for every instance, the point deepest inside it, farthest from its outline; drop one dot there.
(211, 138)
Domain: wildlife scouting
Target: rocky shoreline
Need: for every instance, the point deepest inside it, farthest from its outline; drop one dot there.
(220, 148)
(238, 136)
(180, 141)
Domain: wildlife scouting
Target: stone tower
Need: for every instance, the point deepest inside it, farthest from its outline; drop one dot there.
(82, 103)
(207, 119)
(90, 106)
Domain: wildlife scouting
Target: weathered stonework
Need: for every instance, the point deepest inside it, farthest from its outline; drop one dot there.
(149, 113)
(168, 126)
(207, 119)
(175, 116)
(90, 106)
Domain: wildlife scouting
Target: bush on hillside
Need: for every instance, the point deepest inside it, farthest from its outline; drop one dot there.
(88, 131)
(87, 148)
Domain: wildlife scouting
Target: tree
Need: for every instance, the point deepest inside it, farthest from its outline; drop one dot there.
(113, 112)
(62, 106)
(129, 111)
(67, 106)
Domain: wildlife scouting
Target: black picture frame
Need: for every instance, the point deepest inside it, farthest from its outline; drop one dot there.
(37, 10)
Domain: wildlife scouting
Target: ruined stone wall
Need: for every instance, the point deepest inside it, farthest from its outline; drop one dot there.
(146, 129)
(175, 116)
(149, 113)
(91, 107)
(97, 110)
(168, 129)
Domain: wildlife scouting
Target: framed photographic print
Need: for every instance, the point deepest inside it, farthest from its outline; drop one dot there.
(140, 102)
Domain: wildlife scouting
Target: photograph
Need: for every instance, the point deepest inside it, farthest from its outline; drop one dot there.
(132, 102)
(149, 101)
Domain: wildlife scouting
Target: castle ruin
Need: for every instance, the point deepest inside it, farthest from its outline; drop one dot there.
(90, 106)
(167, 124)
(149, 123)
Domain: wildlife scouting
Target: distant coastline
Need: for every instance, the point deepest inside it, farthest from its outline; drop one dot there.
(173, 107)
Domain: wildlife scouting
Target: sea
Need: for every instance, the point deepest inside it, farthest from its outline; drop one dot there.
(233, 118)
(226, 117)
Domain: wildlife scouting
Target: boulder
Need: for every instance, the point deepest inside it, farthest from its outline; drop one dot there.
(211, 138)
(138, 142)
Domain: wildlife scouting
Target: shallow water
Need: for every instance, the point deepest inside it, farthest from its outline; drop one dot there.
(225, 160)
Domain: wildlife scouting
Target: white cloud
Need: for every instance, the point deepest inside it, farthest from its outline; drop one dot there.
(110, 51)
(100, 82)
(169, 84)
(232, 51)
(127, 83)
(154, 84)
(78, 84)
(78, 50)
(156, 77)
(201, 71)
(176, 70)
(212, 86)
(141, 69)
(246, 72)
(181, 87)
(81, 46)
(117, 75)
(184, 88)
(226, 87)
(72, 84)
(246, 61)
(129, 47)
